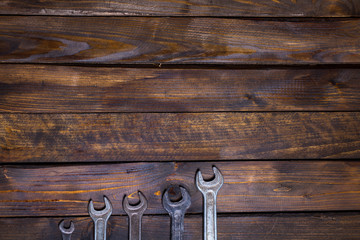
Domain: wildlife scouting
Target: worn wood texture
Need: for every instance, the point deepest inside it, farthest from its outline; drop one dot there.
(256, 186)
(238, 8)
(178, 136)
(324, 226)
(178, 40)
(56, 89)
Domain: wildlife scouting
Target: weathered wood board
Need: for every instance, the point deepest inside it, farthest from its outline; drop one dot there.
(111, 97)
(178, 40)
(211, 8)
(60, 89)
(178, 136)
(254, 186)
(324, 226)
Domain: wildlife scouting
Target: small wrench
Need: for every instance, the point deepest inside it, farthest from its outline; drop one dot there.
(66, 232)
(177, 212)
(209, 190)
(100, 218)
(135, 214)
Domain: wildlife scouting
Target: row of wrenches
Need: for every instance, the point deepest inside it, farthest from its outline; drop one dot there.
(176, 210)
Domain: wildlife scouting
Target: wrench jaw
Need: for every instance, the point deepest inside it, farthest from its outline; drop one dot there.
(171, 206)
(64, 230)
(135, 209)
(104, 213)
(213, 185)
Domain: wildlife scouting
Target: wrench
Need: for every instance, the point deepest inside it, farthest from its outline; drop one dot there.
(66, 232)
(209, 189)
(177, 211)
(100, 218)
(135, 214)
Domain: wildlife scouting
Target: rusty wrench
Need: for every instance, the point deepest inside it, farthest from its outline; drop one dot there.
(135, 214)
(177, 212)
(209, 190)
(66, 232)
(100, 218)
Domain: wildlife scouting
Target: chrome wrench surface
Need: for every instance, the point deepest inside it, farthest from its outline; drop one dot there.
(66, 232)
(209, 189)
(135, 214)
(100, 219)
(177, 212)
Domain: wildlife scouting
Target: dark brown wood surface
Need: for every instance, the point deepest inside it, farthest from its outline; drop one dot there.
(126, 40)
(178, 136)
(249, 186)
(267, 8)
(94, 102)
(320, 226)
(58, 89)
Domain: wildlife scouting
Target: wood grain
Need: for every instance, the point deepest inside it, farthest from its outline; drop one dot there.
(59, 89)
(236, 8)
(257, 186)
(142, 40)
(178, 136)
(325, 226)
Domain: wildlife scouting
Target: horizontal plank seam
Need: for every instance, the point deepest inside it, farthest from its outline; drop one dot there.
(202, 66)
(170, 65)
(69, 164)
(263, 18)
(177, 112)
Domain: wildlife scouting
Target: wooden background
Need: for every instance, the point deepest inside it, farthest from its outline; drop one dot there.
(110, 97)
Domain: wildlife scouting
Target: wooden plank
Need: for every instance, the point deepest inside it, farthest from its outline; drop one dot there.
(326, 226)
(51, 89)
(178, 40)
(178, 136)
(254, 8)
(256, 186)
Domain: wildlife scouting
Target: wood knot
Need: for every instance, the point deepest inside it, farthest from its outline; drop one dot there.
(283, 189)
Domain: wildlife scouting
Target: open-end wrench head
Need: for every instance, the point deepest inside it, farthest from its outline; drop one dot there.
(104, 213)
(64, 230)
(213, 185)
(139, 208)
(183, 204)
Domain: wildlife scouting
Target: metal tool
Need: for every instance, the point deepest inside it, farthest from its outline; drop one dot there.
(66, 232)
(209, 190)
(100, 218)
(135, 214)
(177, 212)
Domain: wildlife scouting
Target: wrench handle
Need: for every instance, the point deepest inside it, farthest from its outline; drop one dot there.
(135, 226)
(177, 225)
(66, 236)
(100, 229)
(210, 232)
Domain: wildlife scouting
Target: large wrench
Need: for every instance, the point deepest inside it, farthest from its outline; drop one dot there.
(135, 214)
(100, 218)
(209, 190)
(66, 232)
(177, 212)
